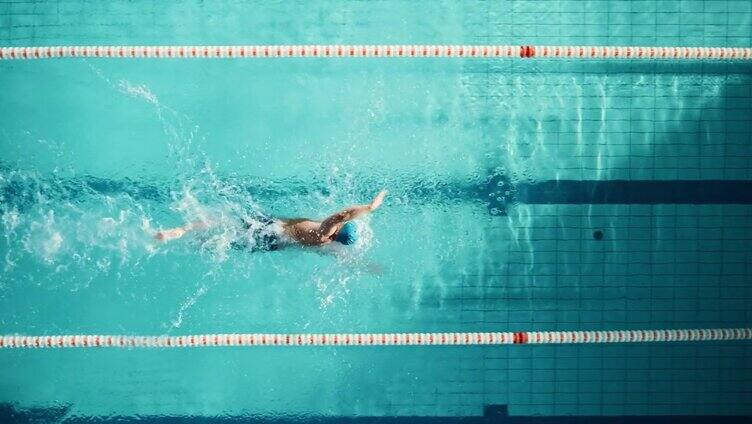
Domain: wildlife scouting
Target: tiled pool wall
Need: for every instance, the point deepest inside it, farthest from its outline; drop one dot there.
(594, 22)
(656, 266)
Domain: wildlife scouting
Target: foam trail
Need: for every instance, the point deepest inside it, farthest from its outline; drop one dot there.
(83, 228)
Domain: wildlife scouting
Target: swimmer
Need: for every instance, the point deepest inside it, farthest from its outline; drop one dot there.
(272, 234)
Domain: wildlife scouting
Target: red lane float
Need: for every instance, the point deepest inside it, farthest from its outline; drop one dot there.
(377, 339)
(379, 51)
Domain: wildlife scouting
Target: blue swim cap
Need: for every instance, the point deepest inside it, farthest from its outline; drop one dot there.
(347, 234)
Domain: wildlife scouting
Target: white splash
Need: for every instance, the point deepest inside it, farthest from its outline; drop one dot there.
(178, 321)
(138, 91)
(44, 238)
(11, 219)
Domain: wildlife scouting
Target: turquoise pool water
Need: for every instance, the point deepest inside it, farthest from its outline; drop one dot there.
(474, 236)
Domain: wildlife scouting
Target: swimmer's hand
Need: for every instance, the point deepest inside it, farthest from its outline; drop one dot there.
(378, 200)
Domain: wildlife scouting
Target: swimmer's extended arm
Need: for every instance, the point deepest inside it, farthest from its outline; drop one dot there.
(329, 225)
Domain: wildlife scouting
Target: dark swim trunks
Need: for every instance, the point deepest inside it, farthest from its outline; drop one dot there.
(263, 237)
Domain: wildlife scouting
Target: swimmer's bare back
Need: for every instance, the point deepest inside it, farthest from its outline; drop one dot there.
(304, 231)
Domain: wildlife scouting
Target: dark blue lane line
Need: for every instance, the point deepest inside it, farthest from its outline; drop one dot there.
(496, 191)
(501, 194)
(691, 192)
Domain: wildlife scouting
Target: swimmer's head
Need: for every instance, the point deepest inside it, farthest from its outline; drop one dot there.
(347, 234)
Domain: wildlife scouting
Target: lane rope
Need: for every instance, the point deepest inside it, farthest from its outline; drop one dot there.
(376, 339)
(377, 51)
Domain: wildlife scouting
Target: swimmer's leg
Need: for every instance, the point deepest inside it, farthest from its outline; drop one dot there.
(177, 232)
